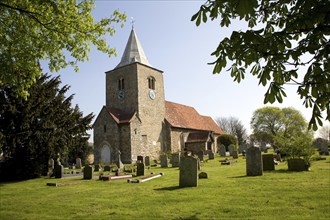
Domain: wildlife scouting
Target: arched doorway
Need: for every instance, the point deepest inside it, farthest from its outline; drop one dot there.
(105, 154)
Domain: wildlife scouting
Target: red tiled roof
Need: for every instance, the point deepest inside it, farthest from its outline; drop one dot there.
(119, 115)
(182, 116)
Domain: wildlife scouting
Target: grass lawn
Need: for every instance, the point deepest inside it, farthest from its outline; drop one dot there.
(226, 194)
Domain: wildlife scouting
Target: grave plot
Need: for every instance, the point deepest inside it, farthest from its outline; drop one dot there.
(147, 178)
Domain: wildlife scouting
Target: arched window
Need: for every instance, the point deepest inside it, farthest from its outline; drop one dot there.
(121, 84)
(151, 83)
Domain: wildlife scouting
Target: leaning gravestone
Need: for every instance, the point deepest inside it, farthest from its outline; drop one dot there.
(88, 172)
(253, 162)
(268, 162)
(188, 172)
(163, 161)
(231, 148)
(139, 169)
(175, 161)
(211, 155)
(222, 150)
(58, 171)
(147, 161)
(78, 163)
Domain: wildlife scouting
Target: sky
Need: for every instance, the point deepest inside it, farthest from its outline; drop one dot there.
(175, 45)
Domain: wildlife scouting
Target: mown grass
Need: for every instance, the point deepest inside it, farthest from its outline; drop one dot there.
(226, 194)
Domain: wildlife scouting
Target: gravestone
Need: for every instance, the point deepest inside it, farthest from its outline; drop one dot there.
(242, 148)
(211, 155)
(58, 171)
(188, 172)
(106, 168)
(278, 157)
(268, 162)
(200, 155)
(139, 168)
(202, 175)
(78, 163)
(97, 167)
(222, 150)
(120, 164)
(231, 148)
(51, 164)
(88, 172)
(140, 158)
(253, 162)
(163, 161)
(297, 164)
(147, 161)
(235, 154)
(175, 161)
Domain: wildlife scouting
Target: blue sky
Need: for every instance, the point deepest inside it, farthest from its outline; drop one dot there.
(175, 45)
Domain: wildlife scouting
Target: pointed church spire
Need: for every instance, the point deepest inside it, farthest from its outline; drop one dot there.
(133, 52)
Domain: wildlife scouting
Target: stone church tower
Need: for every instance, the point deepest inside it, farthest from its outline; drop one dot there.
(131, 123)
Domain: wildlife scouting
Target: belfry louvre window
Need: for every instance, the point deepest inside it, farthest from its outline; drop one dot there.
(151, 83)
(121, 84)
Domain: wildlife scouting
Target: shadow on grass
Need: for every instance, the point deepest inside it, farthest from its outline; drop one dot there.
(170, 188)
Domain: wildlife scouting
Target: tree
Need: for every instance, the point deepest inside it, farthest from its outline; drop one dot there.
(35, 129)
(269, 122)
(226, 140)
(37, 30)
(233, 126)
(324, 132)
(283, 37)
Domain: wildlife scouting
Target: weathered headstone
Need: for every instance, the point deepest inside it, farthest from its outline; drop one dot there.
(268, 162)
(234, 153)
(51, 164)
(78, 163)
(211, 155)
(175, 161)
(58, 171)
(163, 161)
(231, 148)
(297, 164)
(242, 148)
(147, 161)
(139, 168)
(253, 162)
(88, 172)
(202, 175)
(222, 150)
(140, 158)
(188, 172)
(120, 164)
(200, 155)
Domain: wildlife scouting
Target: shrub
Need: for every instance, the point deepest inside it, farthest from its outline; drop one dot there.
(227, 139)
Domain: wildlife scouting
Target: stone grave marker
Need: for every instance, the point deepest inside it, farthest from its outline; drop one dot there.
(51, 164)
(140, 158)
(222, 150)
(147, 161)
(163, 161)
(211, 155)
(97, 167)
(188, 172)
(268, 162)
(253, 162)
(200, 155)
(88, 172)
(175, 161)
(78, 163)
(297, 164)
(59, 171)
(235, 154)
(231, 148)
(139, 168)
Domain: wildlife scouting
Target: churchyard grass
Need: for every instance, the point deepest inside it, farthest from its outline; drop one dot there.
(227, 194)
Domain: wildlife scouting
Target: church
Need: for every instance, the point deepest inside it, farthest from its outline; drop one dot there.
(137, 120)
